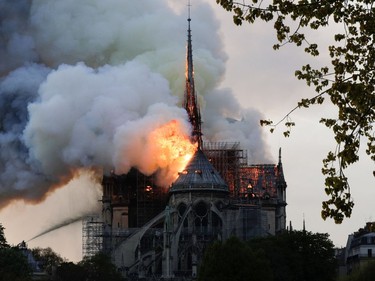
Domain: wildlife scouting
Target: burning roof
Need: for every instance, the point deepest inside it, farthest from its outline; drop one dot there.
(199, 175)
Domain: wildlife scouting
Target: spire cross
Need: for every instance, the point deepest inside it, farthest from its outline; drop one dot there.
(189, 5)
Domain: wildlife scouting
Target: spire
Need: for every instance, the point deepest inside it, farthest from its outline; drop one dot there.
(190, 98)
(280, 170)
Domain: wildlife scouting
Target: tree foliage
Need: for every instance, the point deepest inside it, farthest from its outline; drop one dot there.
(3, 241)
(100, 267)
(96, 268)
(365, 273)
(291, 256)
(47, 258)
(347, 82)
(299, 255)
(13, 263)
(233, 260)
(68, 271)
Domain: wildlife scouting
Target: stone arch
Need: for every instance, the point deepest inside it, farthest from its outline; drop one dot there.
(201, 209)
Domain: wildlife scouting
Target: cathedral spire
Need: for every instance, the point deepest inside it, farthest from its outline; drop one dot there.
(190, 98)
(280, 169)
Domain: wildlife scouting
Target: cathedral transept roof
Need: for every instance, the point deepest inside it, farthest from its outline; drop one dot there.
(199, 175)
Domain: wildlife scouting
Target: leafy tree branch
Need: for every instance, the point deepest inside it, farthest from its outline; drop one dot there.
(347, 81)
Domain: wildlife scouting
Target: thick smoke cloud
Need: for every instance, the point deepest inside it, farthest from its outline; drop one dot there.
(101, 116)
(17, 45)
(84, 82)
(18, 173)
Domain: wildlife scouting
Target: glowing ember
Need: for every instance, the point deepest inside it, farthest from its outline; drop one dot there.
(173, 150)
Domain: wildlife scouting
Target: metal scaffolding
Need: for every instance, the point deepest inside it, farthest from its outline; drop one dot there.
(227, 158)
(92, 236)
(137, 196)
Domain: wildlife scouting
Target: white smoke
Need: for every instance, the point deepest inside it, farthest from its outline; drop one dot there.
(94, 78)
(86, 108)
(225, 120)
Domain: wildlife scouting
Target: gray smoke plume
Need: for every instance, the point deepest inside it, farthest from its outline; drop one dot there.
(16, 42)
(83, 83)
(19, 174)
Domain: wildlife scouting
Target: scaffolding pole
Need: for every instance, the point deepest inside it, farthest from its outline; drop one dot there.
(92, 236)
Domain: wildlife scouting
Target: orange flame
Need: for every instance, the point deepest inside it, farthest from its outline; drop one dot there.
(173, 150)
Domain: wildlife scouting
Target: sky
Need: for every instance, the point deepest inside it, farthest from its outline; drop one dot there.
(65, 75)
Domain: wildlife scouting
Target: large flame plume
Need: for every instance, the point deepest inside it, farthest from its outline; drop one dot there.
(163, 148)
(171, 149)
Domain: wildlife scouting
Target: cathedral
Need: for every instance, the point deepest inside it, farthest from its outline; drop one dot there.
(154, 232)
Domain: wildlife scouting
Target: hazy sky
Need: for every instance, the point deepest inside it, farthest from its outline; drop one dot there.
(234, 65)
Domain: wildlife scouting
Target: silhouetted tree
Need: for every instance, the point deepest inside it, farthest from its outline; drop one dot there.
(234, 260)
(299, 256)
(100, 268)
(47, 258)
(365, 273)
(96, 268)
(68, 271)
(13, 263)
(292, 256)
(3, 241)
